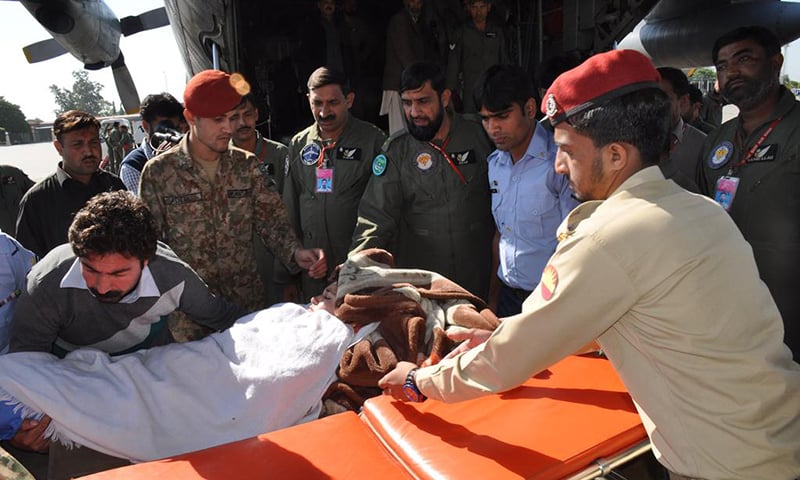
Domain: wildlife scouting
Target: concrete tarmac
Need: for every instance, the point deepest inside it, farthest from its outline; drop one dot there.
(37, 160)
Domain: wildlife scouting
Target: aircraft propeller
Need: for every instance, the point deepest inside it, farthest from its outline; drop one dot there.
(90, 31)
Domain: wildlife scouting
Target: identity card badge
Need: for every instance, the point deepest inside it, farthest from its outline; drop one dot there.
(324, 180)
(725, 191)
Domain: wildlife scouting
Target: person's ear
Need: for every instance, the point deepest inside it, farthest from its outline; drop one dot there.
(530, 108)
(349, 99)
(188, 116)
(615, 157)
(446, 97)
(777, 62)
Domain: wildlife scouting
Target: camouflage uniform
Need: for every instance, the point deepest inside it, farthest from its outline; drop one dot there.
(417, 207)
(210, 225)
(327, 220)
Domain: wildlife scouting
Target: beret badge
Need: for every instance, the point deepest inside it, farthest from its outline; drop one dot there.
(551, 105)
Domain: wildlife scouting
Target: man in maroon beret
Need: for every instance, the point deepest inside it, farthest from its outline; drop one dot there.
(660, 278)
(209, 197)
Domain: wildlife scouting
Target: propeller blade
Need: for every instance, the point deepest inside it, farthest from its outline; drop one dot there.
(44, 50)
(145, 21)
(125, 86)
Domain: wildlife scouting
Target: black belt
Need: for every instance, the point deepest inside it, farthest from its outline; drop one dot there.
(520, 293)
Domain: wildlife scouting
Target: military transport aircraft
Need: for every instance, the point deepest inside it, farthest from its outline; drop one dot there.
(263, 40)
(90, 31)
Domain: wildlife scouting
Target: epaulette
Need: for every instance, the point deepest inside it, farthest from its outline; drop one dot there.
(391, 138)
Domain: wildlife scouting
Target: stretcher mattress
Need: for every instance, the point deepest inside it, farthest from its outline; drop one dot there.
(555, 425)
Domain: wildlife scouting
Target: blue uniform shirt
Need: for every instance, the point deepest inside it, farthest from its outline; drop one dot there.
(529, 201)
(15, 263)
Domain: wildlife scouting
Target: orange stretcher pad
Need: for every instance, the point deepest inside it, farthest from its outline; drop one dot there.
(554, 426)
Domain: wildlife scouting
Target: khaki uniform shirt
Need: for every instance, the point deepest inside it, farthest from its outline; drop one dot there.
(421, 211)
(765, 207)
(327, 220)
(666, 283)
(210, 225)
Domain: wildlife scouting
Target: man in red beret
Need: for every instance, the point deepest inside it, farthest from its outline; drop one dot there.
(660, 278)
(209, 197)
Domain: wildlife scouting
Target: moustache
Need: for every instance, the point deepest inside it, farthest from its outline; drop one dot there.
(108, 297)
(327, 118)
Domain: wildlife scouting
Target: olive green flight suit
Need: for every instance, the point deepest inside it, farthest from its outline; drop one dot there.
(765, 206)
(419, 209)
(327, 220)
(272, 161)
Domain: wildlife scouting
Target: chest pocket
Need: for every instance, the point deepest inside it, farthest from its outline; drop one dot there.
(786, 178)
(187, 217)
(537, 215)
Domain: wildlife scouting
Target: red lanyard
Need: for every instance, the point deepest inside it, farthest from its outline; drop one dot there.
(447, 157)
(754, 148)
(325, 148)
(260, 152)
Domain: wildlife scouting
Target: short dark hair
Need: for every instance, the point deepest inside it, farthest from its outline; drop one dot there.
(763, 36)
(676, 79)
(500, 86)
(250, 98)
(73, 120)
(160, 105)
(640, 118)
(114, 222)
(416, 74)
(695, 95)
(324, 76)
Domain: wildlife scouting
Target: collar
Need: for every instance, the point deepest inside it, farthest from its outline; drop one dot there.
(315, 135)
(679, 129)
(185, 161)
(645, 175)
(586, 209)
(786, 103)
(145, 288)
(149, 153)
(62, 175)
(539, 147)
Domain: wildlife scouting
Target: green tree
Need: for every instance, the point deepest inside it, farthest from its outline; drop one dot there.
(85, 95)
(11, 118)
(703, 75)
(789, 83)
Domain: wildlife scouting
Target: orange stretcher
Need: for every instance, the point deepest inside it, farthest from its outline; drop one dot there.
(574, 420)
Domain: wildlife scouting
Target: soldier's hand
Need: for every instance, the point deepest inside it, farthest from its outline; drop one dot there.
(313, 260)
(30, 435)
(469, 338)
(392, 382)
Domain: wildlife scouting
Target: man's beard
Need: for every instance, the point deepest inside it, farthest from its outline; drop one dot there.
(754, 90)
(425, 133)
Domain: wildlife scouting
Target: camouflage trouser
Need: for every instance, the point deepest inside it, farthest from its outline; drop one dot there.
(12, 469)
(185, 330)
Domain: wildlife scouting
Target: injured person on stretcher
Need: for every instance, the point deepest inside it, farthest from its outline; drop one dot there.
(272, 369)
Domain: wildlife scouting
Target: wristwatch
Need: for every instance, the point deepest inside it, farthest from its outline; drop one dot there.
(410, 387)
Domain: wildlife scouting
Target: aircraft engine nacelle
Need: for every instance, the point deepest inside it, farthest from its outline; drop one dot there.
(87, 29)
(686, 40)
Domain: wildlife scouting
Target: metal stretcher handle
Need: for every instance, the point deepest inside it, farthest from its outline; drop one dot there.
(602, 466)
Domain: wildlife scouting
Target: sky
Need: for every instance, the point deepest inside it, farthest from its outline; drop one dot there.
(152, 58)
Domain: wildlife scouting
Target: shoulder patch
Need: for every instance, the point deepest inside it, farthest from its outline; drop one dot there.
(309, 155)
(720, 155)
(379, 165)
(549, 282)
